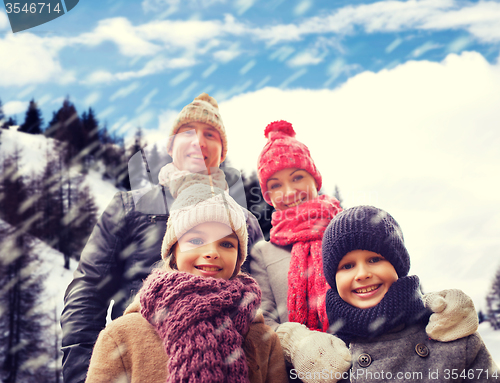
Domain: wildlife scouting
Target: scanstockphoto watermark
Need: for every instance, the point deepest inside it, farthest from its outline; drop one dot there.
(26, 14)
(256, 199)
(357, 374)
(382, 375)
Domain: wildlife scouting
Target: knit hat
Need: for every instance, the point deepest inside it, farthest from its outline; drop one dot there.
(283, 151)
(364, 228)
(200, 203)
(203, 109)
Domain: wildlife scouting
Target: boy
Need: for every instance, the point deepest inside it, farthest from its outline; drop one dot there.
(376, 307)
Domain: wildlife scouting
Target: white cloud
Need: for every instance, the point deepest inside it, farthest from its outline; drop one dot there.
(15, 107)
(420, 140)
(27, 59)
(180, 78)
(306, 58)
(172, 6)
(4, 21)
(156, 65)
(302, 7)
(396, 43)
(92, 98)
(249, 65)
(125, 91)
(424, 48)
(227, 55)
(146, 100)
(120, 31)
(481, 19)
(339, 67)
(243, 5)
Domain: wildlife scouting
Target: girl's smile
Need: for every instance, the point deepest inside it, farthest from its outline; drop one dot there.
(209, 249)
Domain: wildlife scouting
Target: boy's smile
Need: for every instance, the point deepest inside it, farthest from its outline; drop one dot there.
(364, 277)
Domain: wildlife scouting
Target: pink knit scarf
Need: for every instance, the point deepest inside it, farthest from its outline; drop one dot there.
(303, 227)
(202, 322)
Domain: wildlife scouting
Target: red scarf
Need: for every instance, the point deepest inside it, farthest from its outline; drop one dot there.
(303, 227)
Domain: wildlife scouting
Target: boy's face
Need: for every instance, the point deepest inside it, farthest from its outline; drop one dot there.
(208, 250)
(290, 187)
(363, 277)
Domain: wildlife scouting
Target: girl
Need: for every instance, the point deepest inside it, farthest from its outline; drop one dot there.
(195, 319)
(289, 268)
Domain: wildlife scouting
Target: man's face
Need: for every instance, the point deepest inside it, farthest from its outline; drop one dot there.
(197, 147)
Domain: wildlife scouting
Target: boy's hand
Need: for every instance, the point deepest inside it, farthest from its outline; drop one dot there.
(454, 315)
(314, 352)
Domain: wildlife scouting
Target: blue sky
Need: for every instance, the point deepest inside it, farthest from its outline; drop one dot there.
(131, 60)
(397, 100)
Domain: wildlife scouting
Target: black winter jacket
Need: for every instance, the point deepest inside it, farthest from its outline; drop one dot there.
(120, 253)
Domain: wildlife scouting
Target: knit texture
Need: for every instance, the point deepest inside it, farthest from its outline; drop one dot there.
(402, 304)
(454, 315)
(202, 322)
(283, 151)
(200, 203)
(312, 352)
(176, 180)
(364, 228)
(303, 227)
(203, 109)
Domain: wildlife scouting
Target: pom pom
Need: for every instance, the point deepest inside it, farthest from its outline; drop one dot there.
(281, 126)
(207, 98)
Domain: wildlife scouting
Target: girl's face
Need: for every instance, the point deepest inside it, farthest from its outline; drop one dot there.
(290, 187)
(209, 250)
(363, 277)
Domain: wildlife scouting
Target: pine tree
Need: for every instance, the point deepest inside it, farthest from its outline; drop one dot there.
(10, 122)
(155, 163)
(21, 324)
(33, 119)
(2, 115)
(493, 302)
(336, 194)
(91, 128)
(66, 127)
(256, 203)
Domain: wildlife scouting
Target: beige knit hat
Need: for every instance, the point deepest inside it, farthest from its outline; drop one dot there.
(202, 203)
(203, 109)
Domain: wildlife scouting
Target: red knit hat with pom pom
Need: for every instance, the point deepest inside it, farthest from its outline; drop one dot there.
(283, 151)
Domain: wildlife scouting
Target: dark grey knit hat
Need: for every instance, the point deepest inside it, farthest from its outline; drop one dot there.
(364, 228)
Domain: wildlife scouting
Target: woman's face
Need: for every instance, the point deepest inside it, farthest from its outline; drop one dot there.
(208, 250)
(290, 187)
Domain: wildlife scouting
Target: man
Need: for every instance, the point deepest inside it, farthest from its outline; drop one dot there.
(126, 241)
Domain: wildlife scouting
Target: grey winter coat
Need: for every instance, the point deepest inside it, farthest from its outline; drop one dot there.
(409, 355)
(119, 255)
(269, 266)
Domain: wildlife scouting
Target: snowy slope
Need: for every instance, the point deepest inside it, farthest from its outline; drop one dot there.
(33, 150)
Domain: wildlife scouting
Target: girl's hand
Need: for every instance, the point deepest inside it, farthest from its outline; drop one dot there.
(313, 352)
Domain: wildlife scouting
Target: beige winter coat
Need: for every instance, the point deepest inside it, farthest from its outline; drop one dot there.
(130, 350)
